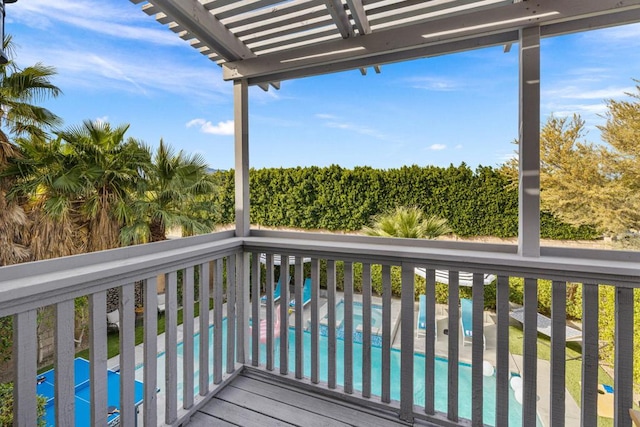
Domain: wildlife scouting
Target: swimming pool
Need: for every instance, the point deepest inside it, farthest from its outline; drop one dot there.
(376, 323)
(441, 380)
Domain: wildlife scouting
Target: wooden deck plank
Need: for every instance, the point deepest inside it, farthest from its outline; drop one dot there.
(268, 406)
(317, 405)
(240, 413)
(200, 419)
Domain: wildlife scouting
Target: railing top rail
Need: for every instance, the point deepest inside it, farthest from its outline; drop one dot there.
(26, 285)
(578, 265)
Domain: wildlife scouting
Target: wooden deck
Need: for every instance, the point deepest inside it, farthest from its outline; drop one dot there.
(255, 400)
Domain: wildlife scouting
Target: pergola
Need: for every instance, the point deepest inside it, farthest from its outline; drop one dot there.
(264, 42)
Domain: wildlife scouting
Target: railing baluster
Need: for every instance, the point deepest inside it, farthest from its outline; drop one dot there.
(242, 307)
(284, 314)
(25, 364)
(331, 317)
(558, 352)
(502, 351)
(386, 333)
(530, 352)
(366, 330)
(64, 369)
(171, 350)
(150, 369)
(590, 334)
(270, 324)
(407, 300)
(430, 341)
(231, 313)
(623, 381)
(454, 328)
(218, 288)
(127, 355)
(255, 308)
(203, 363)
(98, 357)
(348, 328)
(187, 338)
(315, 297)
(299, 278)
(477, 352)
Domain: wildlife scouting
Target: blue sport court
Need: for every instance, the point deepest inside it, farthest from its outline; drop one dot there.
(45, 387)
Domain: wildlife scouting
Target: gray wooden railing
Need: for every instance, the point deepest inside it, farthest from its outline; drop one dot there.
(236, 298)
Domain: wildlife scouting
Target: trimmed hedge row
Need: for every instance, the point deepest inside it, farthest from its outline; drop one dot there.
(476, 203)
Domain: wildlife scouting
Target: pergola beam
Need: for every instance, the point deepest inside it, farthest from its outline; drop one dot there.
(359, 16)
(193, 17)
(562, 16)
(340, 18)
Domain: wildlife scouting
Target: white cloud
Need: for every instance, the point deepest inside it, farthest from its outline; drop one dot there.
(222, 128)
(333, 122)
(439, 84)
(578, 92)
(325, 116)
(437, 147)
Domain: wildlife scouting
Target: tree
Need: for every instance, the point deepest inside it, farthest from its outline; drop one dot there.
(409, 222)
(165, 197)
(19, 89)
(108, 169)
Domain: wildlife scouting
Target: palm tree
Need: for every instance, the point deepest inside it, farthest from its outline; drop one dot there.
(408, 222)
(171, 188)
(108, 168)
(19, 89)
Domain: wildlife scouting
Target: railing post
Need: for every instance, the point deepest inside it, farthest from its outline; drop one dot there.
(243, 307)
(24, 362)
(64, 369)
(623, 383)
(98, 356)
(406, 358)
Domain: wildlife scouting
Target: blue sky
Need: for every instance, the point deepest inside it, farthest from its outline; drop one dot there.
(116, 64)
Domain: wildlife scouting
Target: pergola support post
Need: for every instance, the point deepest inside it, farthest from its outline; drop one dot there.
(241, 146)
(529, 150)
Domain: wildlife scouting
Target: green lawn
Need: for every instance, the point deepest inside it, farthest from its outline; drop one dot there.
(573, 365)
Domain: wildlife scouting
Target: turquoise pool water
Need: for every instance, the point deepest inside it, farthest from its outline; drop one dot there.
(441, 369)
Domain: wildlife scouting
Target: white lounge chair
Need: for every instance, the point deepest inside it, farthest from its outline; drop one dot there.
(161, 303)
(113, 320)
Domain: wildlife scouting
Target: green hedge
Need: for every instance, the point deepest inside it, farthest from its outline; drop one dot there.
(476, 203)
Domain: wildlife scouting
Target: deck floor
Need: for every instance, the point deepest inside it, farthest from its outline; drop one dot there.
(257, 401)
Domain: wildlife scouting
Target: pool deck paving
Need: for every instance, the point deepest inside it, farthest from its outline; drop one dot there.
(441, 349)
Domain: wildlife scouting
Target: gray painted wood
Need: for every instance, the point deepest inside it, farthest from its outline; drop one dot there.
(218, 288)
(64, 370)
(200, 419)
(331, 317)
(231, 313)
(241, 151)
(589, 404)
(429, 345)
(386, 333)
(24, 365)
(284, 314)
(187, 338)
(170, 344)
(315, 297)
(623, 381)
(558, 352)
(530, 352)
(299, 278)
(366, 330)
(529, 151)
(255, 308)
(127, 354)
(285, 412)
(406, 337)
(348, 328)
(203, 318)
(270, 308)
(502, 351)
(98, 357)
(454, 339)
(477, 353)
(243, 309)
(150, 368)
(317, 404)
(239, 416)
